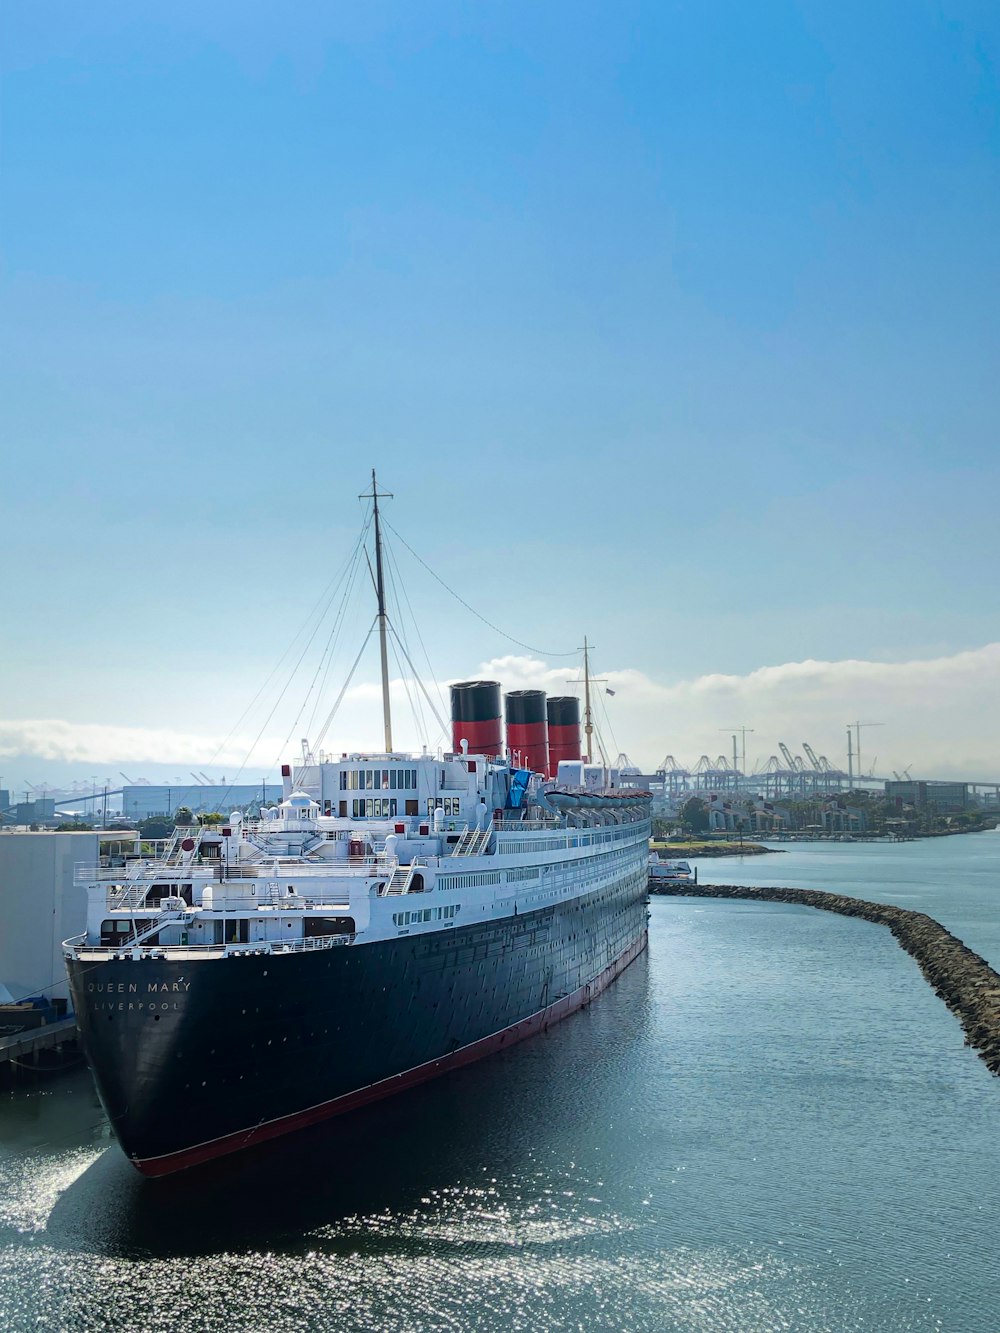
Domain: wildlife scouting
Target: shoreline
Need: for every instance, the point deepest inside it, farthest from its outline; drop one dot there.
(694, 847)
(962, 979)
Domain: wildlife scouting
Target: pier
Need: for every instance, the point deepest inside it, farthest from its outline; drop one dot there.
(967, 984)
(22, 1050)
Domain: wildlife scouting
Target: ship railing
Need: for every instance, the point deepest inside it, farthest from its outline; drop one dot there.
(144, 872)
(293, 868)
(77, 947)
(473, 842)
(134, 895)
(140, 875)
(525, 826)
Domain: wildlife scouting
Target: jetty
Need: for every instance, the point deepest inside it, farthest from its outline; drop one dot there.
(967, 984)
(23, 1050)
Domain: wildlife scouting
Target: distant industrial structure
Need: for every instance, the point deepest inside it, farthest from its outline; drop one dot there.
(795, 777)
(46, 807)
(141, 800)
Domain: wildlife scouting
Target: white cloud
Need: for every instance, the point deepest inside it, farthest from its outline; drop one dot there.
(941, 717)
(95, 743)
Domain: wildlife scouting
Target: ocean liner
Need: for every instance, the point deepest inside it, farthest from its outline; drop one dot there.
(392, 918)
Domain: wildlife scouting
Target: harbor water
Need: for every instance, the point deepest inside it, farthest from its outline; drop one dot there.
(770, 1122)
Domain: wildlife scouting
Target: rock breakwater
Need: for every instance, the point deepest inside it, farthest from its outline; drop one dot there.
(967, 984)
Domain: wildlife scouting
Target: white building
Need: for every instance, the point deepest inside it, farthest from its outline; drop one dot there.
(40, 906)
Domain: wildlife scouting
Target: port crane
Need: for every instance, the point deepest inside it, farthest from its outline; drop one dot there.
(811, 754)
(787, 756)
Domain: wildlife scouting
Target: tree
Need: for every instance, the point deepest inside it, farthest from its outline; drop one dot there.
(211, 818)
(694, 815)
(157, 826)
(182, 815)
(74, 826)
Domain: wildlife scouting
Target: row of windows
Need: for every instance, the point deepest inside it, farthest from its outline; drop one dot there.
(526, 872)
(426, 914)
(620, 833)
(451, 805)
(378, 779)
(468, 881)
(374, 807)
(513, 845)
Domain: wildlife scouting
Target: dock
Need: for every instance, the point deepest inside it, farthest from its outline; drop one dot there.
(22, 1050)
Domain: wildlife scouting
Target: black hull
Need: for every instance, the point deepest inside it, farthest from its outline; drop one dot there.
(203, 1057)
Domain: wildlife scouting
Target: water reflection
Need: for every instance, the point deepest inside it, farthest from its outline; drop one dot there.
(770, 1122)
(391, 1157)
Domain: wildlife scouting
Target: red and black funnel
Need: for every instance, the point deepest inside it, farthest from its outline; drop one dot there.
(527, 729)
(475, 716)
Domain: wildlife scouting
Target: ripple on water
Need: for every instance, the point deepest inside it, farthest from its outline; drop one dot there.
(769, 1123)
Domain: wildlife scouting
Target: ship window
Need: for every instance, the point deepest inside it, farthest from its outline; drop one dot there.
(368, 808)
(413, 807)
(328, 925)
(112, 932)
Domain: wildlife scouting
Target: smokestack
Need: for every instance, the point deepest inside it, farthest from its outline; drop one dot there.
(527, 729)
(564, 730)
(475, 717)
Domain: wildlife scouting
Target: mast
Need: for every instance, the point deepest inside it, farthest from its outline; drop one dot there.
(588, 721)
(380, 590)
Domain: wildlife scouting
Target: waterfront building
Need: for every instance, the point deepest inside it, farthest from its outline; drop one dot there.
(943, 797)
(41, 905)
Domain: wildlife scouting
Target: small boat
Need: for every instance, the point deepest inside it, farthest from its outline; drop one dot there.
(663, 873)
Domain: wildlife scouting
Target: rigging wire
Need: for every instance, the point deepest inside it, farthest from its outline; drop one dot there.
(415, 709)
(488, 623)
(274, 709)
(398, 630)
(295, 724)
(324, 599)
(329, 650)
(343, 688)
(416, 623)
(430, 702)
(398, 634)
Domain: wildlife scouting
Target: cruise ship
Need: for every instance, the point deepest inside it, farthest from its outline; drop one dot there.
(392, 918)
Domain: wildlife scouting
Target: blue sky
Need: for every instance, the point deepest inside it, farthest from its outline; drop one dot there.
(673, 324)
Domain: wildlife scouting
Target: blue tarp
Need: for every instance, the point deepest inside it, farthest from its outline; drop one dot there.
(518, 786)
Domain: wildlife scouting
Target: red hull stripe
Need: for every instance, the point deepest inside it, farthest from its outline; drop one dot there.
(527, 1027)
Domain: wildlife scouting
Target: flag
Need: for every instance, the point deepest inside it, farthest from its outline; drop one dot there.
(611, 692)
